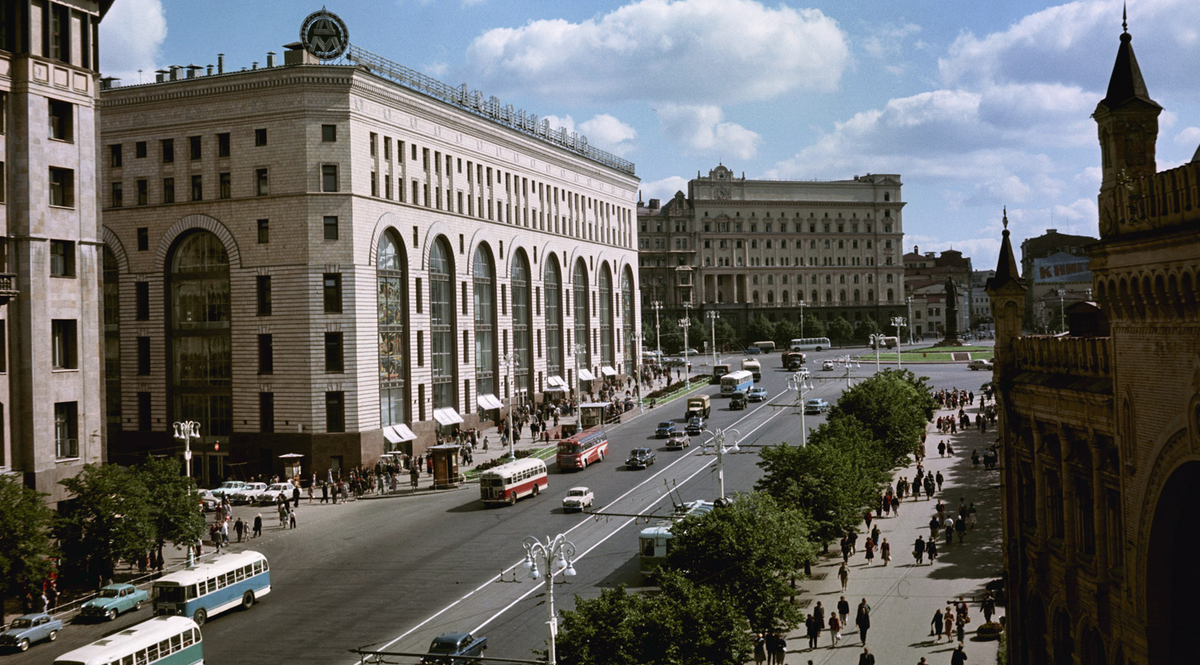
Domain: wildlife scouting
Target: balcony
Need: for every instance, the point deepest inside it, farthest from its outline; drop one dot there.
(1089, 357)
(8, 287)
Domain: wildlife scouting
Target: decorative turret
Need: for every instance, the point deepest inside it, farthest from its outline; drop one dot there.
(1007, 293)
(1127, 121)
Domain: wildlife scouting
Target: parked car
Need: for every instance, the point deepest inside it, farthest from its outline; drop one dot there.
(678, 441)
(664, 429)
(695, 425)
(28, 629)
(737, 400)
(753, 350)
(578, 498)
(112, 600)
(757, 395)
(816, 405)
(268, 496)
(208, 500)
(639, 458)
(827, 366)
(691, 352)
(980, 364)
(447, 645)
(247, 494)
(227, 487)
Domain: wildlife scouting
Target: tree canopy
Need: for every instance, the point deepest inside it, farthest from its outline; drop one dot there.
(813, 327)
(864, 329)
(895, 407)
(173, 501)
(108, 518)
(25, 545)
(785, 332)
(759, 329)
(840, 330)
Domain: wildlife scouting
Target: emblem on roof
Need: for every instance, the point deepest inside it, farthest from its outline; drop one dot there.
(324, 35)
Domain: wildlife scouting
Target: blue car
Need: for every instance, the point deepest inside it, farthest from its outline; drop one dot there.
(28, 629)
(664, 430)
(447, 645)
(113, 600)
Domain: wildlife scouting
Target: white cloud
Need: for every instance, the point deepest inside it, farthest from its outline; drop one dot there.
(1091, 176)
(1189, 136)
(887, 41)
(664, 189)
(611, 134)
(566, 122)
(653, 49)
(702, 129)
(436, 69)
(131, 35)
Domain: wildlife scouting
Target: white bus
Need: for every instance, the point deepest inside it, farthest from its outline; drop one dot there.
(157, 641)
(810, 344)
(214, 586)
(736, 381)
(754, 367)
(508, 482)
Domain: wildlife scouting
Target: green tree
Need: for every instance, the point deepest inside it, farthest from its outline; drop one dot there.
(840, 330)
(831, 479)
(173, 502)
(748, 550)
(108, 519)
(813, 327)
(759, 328)
(25, 545)
(892, 406)
(726, 335)
(785, 332)
(864, 329)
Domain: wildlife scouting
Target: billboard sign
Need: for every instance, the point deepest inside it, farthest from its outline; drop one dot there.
(1062, 268)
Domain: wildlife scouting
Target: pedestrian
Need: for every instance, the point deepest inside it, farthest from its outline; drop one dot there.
(52, 596)
(760, 642)
(292, 518)
(939, 480)
(974, 457)
(238, 528)
(936, 627)
(819, 616)
(835, 630)
(948, 623)
(812, 631)
(866, 657)
(919, 550)
(324, 492)
(257, 526)
(961, 624)
(941, 448)
(931, 550)
(989, 607)
(863, 621)
(867, 518)
(844, 575)
(414, 475)
(971, 516)
(949, 526)
(780, 648)
(885, 552)
(869, 549)
(960, 528)
(283, 515)
(896, 505)
(935, 525)
(922, 661)
(845, 549)
(959, 657)
(929, 487)
(875, 534)
(295, 496)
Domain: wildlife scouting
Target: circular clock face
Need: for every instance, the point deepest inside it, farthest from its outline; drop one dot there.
(722, 192)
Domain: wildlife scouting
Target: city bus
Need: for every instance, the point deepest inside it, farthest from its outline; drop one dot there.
(754, 367)
(208, 588)
(157, 641)
(508, 482)
(654, 541)
(720, 370)
(765, 346)
(582, 449)
(810, 344)
(736, 381)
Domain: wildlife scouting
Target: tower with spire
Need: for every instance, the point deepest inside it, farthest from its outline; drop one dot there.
(1006, 291)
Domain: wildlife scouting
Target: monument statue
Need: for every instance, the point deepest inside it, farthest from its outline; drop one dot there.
(951, 314)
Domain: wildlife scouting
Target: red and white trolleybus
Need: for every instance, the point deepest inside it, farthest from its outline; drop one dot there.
(508, 482)
(585, 448)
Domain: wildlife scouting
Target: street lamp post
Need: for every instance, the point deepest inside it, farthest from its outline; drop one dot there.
(579, 350)
(509, 361)
(686, 323)
(555, 556)
(637, 371)
(712, 322)
(185, 431)
(910, 337)
(657, 307)
(801, 303)
(876, 340)
(899, 322)
(799, 382)
(718, 437)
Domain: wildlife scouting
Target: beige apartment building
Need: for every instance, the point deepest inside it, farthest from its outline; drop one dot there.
(783, 248)
(51, 404)
(341, 260)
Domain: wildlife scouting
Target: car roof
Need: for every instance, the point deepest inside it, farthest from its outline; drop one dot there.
(454, 638)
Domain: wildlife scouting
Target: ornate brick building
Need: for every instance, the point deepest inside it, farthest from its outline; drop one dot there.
(1100, 429)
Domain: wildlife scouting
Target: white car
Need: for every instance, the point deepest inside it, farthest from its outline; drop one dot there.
(247, 494)
(980, 364)
(577, 498)
(227, 487)
(268, 495)
(827, 366)
(208, 500)
(803, 372)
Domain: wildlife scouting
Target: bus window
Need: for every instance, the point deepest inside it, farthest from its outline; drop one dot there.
(647, 547)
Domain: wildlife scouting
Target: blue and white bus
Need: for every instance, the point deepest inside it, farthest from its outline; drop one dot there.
(740, 381)
(213, 586)
(157, 641)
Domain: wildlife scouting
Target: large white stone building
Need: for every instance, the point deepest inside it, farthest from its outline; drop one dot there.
(51, 402)
(335, 259)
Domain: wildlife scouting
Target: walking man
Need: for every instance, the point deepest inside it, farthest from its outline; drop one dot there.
(866, 657)
(919, 550)
(257, 526)
(863, 620)
(959, 657)
(238, 527)
(843, 608)
(844, 575)
(885, 552)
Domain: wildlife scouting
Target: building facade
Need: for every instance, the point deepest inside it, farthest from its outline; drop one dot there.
(1100, 428)
(1055, 268)
(341, 261)
(51, 399)
(784, 249)
(925, 277)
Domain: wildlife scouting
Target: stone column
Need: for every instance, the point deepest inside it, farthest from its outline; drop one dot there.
(1065, 446)
(1039, 476)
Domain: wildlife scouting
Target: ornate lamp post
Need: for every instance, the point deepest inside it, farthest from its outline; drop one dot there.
(554, 556)
(801, 303)
(712, 322)
(899, 322)
(637, 368)
(1062, 311)
(580, 349)
(718, 438)
(910, 337)
(876, 340)
(657, 307)
(686, 323)
(800, 382)
(509, 362)
(185, 431)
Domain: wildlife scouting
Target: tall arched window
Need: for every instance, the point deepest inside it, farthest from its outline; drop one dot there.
(583, 323)
(627, 321)
(522, 325)
(606, 317)
(770, 297)
(870, 295)
(200, 347)
(112, 340)
(783, 297)
(814, 299)
(890, 295)
(484, 272)
(554, 318)
(391, 278)
(441, 325)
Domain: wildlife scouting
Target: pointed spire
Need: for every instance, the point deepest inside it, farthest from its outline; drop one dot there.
(1126, 83)
(1006, 267)
(1124, 17)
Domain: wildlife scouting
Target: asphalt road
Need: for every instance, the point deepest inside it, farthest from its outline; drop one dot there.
(391, 573)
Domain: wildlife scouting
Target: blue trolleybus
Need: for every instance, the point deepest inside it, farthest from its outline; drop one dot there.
(213, 586)
(157, 641)
(740, 381)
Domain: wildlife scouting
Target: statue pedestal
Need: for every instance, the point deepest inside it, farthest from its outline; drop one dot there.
(951, 342)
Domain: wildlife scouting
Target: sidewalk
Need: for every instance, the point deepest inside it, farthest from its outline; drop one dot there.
(904, 596)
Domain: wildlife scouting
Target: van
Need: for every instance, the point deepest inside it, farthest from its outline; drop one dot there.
(765, 347)
(698, 405)
(887, 342)
(737, 400)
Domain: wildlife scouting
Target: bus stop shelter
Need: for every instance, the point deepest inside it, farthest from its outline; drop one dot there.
(445, 466)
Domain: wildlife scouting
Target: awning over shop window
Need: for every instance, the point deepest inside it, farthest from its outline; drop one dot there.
(608, 371)
(488, 402)
(398, 434)
(595, 405)
(585, 375)
(556, 382)
(447, 416)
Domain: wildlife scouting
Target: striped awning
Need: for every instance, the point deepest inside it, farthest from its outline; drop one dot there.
(447, 416)
(585, 375)
(488, 401)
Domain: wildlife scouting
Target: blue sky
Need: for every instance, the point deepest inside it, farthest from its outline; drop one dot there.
(977, 105)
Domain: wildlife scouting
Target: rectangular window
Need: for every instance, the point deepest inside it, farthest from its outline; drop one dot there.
(63, 344)
(261, 182)
(144, 423)
(62, 120)
(139, 150)
(329, 133)
(387, 147)
(329, 177)
(66, 430)
(197, 188)
(333, 293)
(334, 356)
(331, 227)
(264, 231)
(168, 150)
(168, 190)
(263, 286)
(387, 188)
(114, 155)
(62, 258)
(142, 299)
(226, 185)
(266, 411)
(60, 32)
(335, 411)
(62, 187)
(143, 192)
(374, 184)
(2, 181)
(266, 354)
(260, 136)
(421, 352)
(223, 145)
(143, 356)
(374, 138)
(194, 144)
(118, 194)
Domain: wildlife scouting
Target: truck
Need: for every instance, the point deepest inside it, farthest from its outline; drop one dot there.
(792, 360)
(737, 400)
(698, 405)
(720, 370)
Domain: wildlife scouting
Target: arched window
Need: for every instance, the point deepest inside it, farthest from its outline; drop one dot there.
(627, 321)
(783, 296)
(483, 271)
(770, 297)
(857, 296)
(112, 340)
(606, 317)
(200, 347)
(842, 296)
(828, 295)
(391, 277)
(522, 325)
(554, 318)
(442, 325)
(583, 323)
(814, 299)
(890, 295)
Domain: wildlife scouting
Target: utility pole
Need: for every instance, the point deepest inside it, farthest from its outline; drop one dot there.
(712, 321)
(910, 337)
(657, 307)
(799, 382)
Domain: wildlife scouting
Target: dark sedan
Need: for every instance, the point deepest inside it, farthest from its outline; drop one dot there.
(639, 458)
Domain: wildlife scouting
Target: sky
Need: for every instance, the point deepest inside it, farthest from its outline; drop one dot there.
(977, 105)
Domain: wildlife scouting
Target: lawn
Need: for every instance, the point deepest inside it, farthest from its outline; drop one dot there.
(932, 354)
